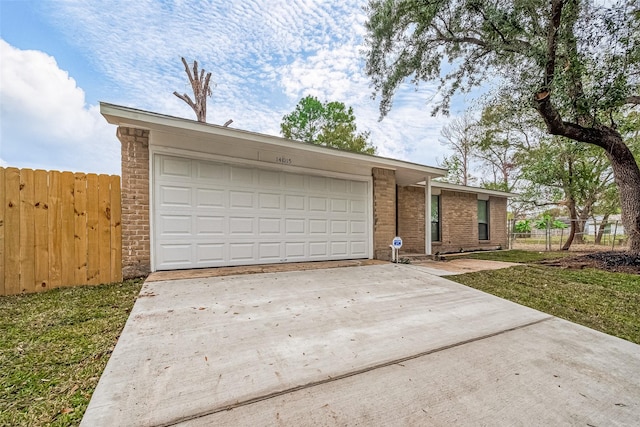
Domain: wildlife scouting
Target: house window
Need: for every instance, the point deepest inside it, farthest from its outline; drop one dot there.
(483, 220)
(435, 218)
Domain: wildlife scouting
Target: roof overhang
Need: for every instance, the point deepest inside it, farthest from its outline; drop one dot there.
(469, 189)
(178, 133)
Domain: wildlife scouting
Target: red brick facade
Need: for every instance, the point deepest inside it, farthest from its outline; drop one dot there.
(411, 219)
(136, 251)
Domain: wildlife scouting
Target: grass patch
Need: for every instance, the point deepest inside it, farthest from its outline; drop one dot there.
(53, 348)
(514, 255)
(608, 302)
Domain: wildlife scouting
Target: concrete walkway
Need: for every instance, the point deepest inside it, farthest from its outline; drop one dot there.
(370, 345)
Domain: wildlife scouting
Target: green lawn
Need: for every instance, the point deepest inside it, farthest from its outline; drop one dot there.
(514, 255)
(608, 302)
(53, 349)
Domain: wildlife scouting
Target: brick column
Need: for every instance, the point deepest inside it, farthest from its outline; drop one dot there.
(136, 252)
(384, 212)
(411, 221)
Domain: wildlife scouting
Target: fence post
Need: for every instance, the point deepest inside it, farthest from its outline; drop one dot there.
(615, 231)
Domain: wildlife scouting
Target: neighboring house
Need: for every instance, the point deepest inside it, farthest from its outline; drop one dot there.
(198, 195)
(613, 225)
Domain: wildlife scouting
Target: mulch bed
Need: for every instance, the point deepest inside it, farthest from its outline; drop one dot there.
(617, 262)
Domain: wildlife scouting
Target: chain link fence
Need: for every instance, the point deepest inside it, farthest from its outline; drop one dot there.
(552, 234)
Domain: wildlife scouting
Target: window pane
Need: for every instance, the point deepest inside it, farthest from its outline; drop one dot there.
(482, 211)
(435, 232)
(435, 208)
(483, 232)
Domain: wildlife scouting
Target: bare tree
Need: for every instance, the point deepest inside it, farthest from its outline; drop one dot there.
(201, 90)
(458, 137)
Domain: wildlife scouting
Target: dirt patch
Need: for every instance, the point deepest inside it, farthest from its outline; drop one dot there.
(618, 262)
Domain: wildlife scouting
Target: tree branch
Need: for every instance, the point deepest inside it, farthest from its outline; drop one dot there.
(633, 99)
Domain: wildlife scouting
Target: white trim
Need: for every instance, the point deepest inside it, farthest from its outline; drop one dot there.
(469, 189)
(427, 216)
(152, 223)
(191, 154)
(124, 116)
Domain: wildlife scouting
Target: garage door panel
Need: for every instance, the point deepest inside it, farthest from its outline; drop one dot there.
(268, 179)
(339, 206)
(339, 227)
(175, 196)
(209, 214)
(210, 253)
(175, 167)
(175, 225)
(241, 176)
(294, 202)
(294, 226)
(210, 225)
(210, 198)
(269, 201)
(241, 225)
(176, 254)
(318, 226)
(269, 226)
(294, 250)
(241, 199)
(207, 171)
(269, 251)
(339, 248)
(241, 251)
(318, 249)
(358, 248)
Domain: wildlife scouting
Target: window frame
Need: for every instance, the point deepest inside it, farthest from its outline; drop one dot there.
(439, 219)
(486, 223)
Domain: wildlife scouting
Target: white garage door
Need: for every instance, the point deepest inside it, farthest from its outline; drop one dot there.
(209, 214)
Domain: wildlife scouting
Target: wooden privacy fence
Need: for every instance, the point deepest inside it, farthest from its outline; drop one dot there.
(58, 229)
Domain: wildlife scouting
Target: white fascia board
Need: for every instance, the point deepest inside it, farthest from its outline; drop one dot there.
(469, 189)
(125, 116)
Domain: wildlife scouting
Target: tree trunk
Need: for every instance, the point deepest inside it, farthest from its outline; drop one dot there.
(603, 225)
(627, 176)
(573, 216)
(626, 172)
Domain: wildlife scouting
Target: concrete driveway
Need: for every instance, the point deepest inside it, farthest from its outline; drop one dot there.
(371, 345)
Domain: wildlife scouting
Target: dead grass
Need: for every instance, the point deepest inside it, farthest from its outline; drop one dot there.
(53, 349)
(608, 302)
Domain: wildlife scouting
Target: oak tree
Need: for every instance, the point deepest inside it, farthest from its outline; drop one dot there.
(575, 62)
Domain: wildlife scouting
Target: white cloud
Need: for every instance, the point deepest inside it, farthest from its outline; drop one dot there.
(45, 122)
(264, 56)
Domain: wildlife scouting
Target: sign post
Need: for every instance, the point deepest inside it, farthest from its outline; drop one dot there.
(396, 245)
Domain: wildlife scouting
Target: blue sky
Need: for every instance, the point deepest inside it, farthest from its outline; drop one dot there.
(58, 59)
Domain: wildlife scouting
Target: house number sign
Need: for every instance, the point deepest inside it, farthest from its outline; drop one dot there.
(283, 160)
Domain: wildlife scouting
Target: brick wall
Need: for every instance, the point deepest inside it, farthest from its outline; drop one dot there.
(459, 223)
(498, 233)
(136, 251)
(411, 219)
(384, 212)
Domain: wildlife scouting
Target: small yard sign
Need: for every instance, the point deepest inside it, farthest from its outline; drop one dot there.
(397, 242)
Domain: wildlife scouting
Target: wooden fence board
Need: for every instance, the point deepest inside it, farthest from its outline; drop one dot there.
(80, 212)
(27, 235)
(67, 182)
(12, 231)
(116, 230)
(93, 244)
(58, 229)
(55, 230)
(2, 223)
(41, 228)
(104, 228)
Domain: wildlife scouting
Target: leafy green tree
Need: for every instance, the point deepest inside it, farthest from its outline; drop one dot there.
(580, 173)
(575, 62)
(331, 124)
